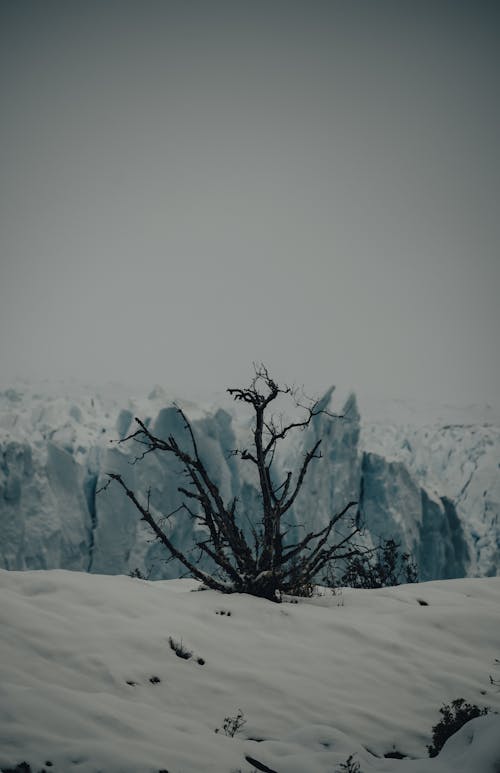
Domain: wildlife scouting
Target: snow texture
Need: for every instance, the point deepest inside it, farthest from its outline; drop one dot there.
(88, 681)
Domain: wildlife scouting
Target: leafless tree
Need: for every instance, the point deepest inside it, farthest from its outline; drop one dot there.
(264, 564)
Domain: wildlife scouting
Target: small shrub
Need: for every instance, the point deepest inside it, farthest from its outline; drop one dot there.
(349, 766)
(23, 767)
(179, 649)
(155, 680)
(455, 716)
(381, 568)
(232, 725)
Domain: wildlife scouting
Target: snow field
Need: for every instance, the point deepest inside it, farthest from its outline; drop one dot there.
(360, 672)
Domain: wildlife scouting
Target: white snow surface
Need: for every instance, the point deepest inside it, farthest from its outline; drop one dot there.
(359, 672)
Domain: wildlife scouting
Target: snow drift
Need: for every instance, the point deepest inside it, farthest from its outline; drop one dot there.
(88, 681)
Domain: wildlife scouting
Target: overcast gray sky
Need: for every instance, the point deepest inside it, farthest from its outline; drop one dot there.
(189, 186)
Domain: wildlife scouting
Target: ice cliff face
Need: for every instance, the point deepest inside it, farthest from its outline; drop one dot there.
(458, 462)
(44, 518)
(394, 505)
(436, 491)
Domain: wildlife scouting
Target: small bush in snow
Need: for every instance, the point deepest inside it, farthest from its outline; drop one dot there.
(455, 715)
(23, 767)
(384, 567)
(349, 766)
(179, 649)
(136, 574)
(232, 725)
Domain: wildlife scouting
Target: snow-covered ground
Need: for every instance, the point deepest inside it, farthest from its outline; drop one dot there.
(88, 681)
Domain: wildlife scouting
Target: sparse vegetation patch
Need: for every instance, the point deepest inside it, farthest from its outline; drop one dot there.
(454, 716)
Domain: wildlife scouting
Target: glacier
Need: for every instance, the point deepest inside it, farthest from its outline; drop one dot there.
(434, 486)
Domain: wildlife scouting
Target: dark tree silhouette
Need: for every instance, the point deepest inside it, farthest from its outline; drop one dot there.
(264, 565)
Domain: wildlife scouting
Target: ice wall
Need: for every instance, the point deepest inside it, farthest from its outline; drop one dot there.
(44, 518)
(55, 511)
